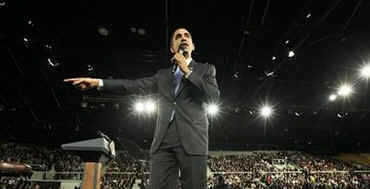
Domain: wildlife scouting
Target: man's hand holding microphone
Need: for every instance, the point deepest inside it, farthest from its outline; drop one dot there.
(179, 59)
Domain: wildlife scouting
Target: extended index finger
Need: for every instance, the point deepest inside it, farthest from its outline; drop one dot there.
(72, 79)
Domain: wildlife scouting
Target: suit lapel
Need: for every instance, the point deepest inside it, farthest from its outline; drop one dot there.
(182, 83)
(171, 83)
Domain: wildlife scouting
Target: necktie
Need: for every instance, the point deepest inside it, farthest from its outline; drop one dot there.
(178, 77)
(177, 81)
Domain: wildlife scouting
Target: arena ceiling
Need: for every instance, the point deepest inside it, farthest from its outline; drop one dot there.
(44, 42)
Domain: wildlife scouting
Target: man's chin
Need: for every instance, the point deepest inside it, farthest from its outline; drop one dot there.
(184, 45)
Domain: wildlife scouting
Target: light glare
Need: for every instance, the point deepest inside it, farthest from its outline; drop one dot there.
(332, 97)
(212, 109)
(291, 54)
(266, 111)
(139, 107)
(365, 72)
(344, 90)
(149, 106)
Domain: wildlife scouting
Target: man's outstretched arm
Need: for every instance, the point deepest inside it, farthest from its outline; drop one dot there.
(83, 83)
(114, 85)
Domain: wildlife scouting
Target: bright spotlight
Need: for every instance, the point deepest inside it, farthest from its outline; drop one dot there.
(365, 72)
(84, 104)
(333, 97)
(291, 54)
(266, 111)
(103, 31)
(345, 90)
(149, 106)
(139, 107)
(212, 109)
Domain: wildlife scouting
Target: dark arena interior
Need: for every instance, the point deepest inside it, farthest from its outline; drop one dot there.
(293, 110)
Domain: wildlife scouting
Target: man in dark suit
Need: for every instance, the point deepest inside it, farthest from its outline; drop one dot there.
(180, 139)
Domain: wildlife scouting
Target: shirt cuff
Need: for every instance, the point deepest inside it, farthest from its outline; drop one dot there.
(100, 84)
(188, 74)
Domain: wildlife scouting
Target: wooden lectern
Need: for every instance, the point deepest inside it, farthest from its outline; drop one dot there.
(95, 153)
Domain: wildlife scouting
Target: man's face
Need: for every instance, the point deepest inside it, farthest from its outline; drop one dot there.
(181, 37)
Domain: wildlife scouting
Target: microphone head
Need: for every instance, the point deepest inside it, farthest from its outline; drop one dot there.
(182, 49)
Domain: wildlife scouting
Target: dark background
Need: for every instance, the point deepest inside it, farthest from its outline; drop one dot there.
(41, 43)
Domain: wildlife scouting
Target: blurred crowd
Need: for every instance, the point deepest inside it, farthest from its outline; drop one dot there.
(42, 158)
(13, 182)
(258, 169)
(288, 181)
(288, 170)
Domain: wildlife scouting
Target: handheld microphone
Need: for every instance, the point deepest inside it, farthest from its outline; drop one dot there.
(182, 51)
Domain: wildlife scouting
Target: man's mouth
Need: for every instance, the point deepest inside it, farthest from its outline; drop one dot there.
(183, 45)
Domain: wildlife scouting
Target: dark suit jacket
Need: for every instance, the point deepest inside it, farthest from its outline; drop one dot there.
(191, 119)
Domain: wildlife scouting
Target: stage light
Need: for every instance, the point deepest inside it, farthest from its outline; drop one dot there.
(48, 49)
(26, 42)
(139, 107)
(90, 68)
(236, 75)
(103, 31)
(287, 41)
(149, 106)
(30, 23)
(333, 97)
(83, 104)
(268, 74)
(266, 111)
(273, 57)
(141, 31)
(308, 15)
(344, 90)
(291, 54)
(339, 115)
(212, 109)
(365, 72)
(2, 3)
(53, 62)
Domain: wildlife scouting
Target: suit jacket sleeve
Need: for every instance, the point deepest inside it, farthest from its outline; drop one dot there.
(142, 86)
(206, 83)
